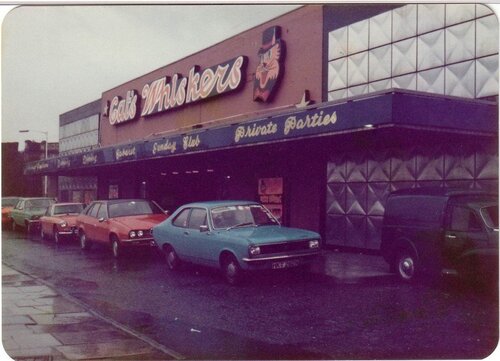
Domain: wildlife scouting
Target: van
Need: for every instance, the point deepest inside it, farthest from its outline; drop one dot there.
(441, 231)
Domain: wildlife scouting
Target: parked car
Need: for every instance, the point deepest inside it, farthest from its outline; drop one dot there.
(441, 230)
(120, 223)
(60, 220)
(234, 236)
(27, 212)
(8, 203)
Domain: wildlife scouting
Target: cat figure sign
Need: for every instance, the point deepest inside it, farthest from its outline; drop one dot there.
(270, 67)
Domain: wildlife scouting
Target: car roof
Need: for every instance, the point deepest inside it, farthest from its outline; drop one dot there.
(441, 191)
(222, 203)
(112, 201)
(66, 203)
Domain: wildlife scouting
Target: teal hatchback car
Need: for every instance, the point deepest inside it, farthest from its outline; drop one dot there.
(234, 236)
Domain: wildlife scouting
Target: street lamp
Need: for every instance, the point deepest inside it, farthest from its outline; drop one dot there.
(46, 151)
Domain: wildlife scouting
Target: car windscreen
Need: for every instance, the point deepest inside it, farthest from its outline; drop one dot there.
(490, 215)
(38, 203)
(133, 208)
(68, 209)
(241, 215)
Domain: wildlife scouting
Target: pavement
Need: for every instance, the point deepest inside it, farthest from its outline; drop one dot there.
(40, 323)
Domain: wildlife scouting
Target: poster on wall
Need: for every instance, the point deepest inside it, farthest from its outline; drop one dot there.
(113, 191)
(271, 195)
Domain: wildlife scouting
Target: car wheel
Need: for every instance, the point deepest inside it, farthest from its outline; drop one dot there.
(406, 265)
(173, 261)
(42, 235)
(116, 248)
(84, 242)
(14, 226)
(231, 270)
(56, 236)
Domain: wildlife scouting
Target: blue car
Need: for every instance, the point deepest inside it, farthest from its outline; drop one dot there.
(233, 236)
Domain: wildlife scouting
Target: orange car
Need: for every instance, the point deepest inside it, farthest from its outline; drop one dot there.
(119, 223)
(60, 220)
(7, 204)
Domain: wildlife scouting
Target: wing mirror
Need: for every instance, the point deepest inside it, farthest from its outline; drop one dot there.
(101, 219)
(204, 228)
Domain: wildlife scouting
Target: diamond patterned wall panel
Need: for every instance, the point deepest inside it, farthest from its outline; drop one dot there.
(460, 42)
(355, 231)
(376, 197)
(357, 68)
(380, 63)
(358, 37)
(424, 184)
(430, 164)
(336, 229)
(380, 29)
(465, 184)
(457, 13)
(401, 185)
(404, 57)
(337, 95)
(336, 198)
(487, 36)
(486, 165)
(356, 198)
(430, 50)
(430, 17)
(408, 82)
(337, 43)
(378, 166)
(337, 74)
(356, 170)
(487, 185)
(404, 22)
(459, 79)
(357, 90)
(487, 76)
(403, 166)
(336, 171)
(373, 232)
(379, 85)
(482, 10)
(431, 81)
(459, 162)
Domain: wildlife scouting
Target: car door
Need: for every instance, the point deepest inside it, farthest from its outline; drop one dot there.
(101, 226)
(463, 231)
(90, 221)
(201, 243)
(178, 232)
(17, 213)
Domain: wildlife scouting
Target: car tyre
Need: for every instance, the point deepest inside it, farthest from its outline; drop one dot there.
(42, 234)
(116, 248)
(14, 225)
(231, 270)
(406, 265)
(172, 260)
(84, 242)
(57, 237)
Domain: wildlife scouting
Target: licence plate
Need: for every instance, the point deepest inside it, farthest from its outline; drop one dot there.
(285, 264)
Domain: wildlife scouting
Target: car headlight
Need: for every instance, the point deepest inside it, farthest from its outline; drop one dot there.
(254, 250)
(35, 217)
(140, 233)
(63, 224)
(314, 243)
(132, 234)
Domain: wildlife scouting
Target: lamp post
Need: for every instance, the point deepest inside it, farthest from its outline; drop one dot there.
(46, 153)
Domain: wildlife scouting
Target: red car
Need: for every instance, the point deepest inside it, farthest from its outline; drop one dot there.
(119, 223)
(60, 220)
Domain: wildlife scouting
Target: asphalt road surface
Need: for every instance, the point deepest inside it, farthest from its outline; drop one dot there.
(280, 315)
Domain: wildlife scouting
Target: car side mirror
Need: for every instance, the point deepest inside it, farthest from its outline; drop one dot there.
(101, 219)
(204, 228)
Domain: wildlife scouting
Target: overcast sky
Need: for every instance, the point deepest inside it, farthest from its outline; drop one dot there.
(57, 58)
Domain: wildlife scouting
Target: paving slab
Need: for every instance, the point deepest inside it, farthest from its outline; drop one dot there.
(116, 349)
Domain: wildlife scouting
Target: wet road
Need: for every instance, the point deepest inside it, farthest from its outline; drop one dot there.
(272, 316)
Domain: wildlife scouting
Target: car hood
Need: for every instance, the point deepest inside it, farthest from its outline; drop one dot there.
(70, 218)
(268, 234)
(6, 209)
(145, 221)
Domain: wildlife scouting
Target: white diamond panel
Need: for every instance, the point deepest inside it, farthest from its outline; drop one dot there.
(380, 29)
(404, 56)
(337, 43)
(431, 81)
(337, 95)
(431, 50)
(379, 85)
(357, 69)
(357, 37)
(460, 79)
(487, 36)
(430, 17)
(457, 13)
(380, 63)
(357, 90)
(408, 82)
(460, 41)
(337, 74)
(404, 22)
(482, 10)
(487, 76)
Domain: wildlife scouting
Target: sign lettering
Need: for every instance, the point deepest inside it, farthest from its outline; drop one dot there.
(167, 146)
(254, 130)
(314, 121)
(89, 159)
(189, 142)
(121, 153)
(122, 110)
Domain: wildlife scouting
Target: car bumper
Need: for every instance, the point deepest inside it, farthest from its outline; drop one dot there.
(143, 242)
(279, 261)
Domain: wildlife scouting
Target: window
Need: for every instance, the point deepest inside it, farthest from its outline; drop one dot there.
(181, 219)
(463, 220)
(102, 213)
(198, 218)
(94, 210)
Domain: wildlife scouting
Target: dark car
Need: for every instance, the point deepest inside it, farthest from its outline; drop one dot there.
(120, 223)
(233, 236)
(443, 230)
